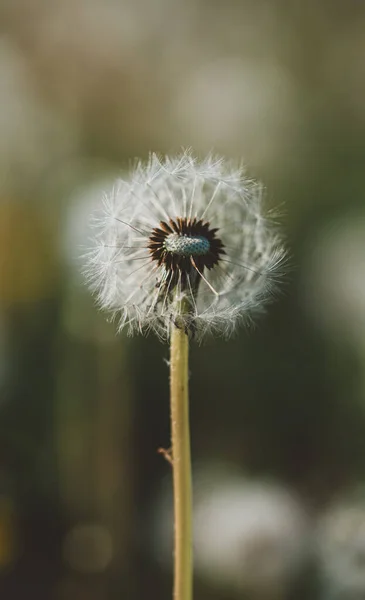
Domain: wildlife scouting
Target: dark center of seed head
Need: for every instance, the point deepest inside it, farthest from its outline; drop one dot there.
(187, 245)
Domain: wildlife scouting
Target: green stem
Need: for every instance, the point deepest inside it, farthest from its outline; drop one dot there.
(181, 464)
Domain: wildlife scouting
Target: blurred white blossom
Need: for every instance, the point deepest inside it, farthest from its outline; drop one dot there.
(77, 231)
(334, 277)
(32, 135)
(249, 535)
(341, 550)
(236, 105)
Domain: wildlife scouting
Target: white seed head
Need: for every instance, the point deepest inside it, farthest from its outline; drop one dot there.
(250, 536)
(341, 549)
(184, 241)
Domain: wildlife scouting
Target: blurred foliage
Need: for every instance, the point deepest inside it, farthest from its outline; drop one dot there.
(87, 85)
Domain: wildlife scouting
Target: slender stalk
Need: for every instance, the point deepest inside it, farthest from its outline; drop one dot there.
(181, 463)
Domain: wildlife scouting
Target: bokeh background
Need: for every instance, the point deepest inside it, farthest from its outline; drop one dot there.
(278, 412)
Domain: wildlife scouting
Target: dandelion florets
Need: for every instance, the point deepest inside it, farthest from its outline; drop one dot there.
(187, 242)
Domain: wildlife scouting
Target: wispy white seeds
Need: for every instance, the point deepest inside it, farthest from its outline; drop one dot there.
(184, 241)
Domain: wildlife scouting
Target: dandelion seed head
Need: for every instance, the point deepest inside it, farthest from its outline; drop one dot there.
(341, 547)
(184, 241)
(251, 536)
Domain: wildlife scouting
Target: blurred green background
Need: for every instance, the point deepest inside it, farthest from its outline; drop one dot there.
(85, 87)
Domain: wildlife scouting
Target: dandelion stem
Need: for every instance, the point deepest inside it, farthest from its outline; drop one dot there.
(181, 463)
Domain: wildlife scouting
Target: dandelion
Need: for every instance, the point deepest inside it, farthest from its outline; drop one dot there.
(183, 248)
(251, 536)
(341, 548)
(187, 243)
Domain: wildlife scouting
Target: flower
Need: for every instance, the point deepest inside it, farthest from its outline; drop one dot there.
(186, 242)
(341, 548)
(251, 536)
